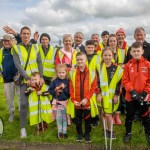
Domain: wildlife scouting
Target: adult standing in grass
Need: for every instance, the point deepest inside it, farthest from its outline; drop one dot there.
(21, 53)
(8, 71)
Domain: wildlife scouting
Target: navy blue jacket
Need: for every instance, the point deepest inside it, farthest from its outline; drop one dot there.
(64, 95)
(9, 68)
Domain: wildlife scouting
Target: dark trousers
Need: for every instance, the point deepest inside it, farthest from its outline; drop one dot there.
(131, 108)
(81, 114)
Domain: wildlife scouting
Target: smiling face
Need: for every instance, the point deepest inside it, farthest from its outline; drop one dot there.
(61, 73)
(67, 41)
(136, 52)
(112, 41)
(90, 49)
(105, 38)
(120, 37)
(107, 56)
(7, 43)
(96, 39)
(78, 38)
(81, 60)
(140, 36)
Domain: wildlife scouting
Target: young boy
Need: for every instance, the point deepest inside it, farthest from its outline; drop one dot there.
(40, 112)
(136, 80)
(104, 36)
(92, 60)
(83, 84)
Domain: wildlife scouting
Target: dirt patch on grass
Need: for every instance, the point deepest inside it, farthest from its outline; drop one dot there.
(38, 146)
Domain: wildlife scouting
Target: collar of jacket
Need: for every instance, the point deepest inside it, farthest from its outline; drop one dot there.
(135, 61)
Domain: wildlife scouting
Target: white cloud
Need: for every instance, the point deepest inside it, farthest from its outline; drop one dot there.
(89, 16)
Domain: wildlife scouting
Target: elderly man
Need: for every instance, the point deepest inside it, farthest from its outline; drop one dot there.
(22, 52)
(139, 36)
(78, 39)
(8, 71)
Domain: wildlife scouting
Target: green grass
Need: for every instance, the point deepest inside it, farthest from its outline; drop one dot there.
(12, 132)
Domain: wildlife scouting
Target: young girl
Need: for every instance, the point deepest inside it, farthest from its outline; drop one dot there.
(109, 84)
(59, 89)
(119, 58)
(39, 104)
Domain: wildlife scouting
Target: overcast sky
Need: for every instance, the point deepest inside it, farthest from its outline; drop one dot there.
(56, 17)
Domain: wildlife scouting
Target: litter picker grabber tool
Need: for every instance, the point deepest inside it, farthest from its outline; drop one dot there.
(104, 126)
(111, 129)
(39, 116)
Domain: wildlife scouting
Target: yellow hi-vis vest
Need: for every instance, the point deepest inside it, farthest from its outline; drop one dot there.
(108, 91)
(32, 65)
(101, 45)
(39, 107)
(48, 61)
(61, 55)
(121, 53)
(93, 104)
(93, 63)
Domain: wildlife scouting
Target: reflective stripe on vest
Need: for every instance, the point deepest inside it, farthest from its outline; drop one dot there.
(93, 63)
(93, 104)
(121, 56)
(45, 111)
(23, 54)
(61, 55)
(108, 91)
(101, 45)
(48, 62)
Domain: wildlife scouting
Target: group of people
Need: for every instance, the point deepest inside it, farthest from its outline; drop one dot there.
(77, 82)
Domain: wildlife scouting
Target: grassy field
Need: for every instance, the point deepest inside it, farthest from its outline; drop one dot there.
(12, 132)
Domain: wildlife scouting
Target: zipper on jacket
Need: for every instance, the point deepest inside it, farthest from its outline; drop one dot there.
(137, 66)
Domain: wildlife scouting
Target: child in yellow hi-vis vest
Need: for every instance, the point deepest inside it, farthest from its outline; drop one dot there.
(109, 84)
(40, 112)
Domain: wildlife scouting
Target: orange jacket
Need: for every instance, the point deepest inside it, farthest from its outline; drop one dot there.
(136, 76)
(82, 87)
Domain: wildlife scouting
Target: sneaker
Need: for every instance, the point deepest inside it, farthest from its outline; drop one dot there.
(65, 136)
(148, 139)
(60, 136)
(107, 134)
(127, 137)
(87, 138)
(113, 135)
(23, 133)
(79, 138)
(11, 117)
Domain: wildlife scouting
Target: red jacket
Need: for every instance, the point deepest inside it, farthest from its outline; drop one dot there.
(136, 76)
(81, 90)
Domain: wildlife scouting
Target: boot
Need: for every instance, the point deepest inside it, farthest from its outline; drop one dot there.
(117, 119)
(127, 137)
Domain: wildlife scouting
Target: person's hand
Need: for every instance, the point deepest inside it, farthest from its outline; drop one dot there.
(122, 66)
(115, 99)
(62, 85)
(76, 103)
(29, 82)
(41, 81)
(9, 30)
(84, 101)
(36, 36)
(39, 92)
(99, 98)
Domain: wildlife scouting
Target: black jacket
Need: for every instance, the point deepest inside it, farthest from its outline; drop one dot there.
(146, 47)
